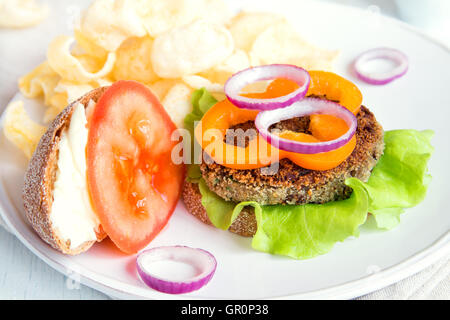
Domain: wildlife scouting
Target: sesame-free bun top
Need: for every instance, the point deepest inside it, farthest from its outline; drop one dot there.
(40, 176)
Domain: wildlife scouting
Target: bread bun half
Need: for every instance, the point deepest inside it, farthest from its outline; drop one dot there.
(244, 225)
(40, 176)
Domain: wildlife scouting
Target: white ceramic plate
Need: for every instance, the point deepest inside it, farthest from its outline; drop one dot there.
(419, 100)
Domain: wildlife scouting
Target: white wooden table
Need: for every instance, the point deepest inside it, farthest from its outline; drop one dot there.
(22, 274)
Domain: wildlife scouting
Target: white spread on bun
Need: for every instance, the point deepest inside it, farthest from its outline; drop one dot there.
(72, 214)
(55, 193)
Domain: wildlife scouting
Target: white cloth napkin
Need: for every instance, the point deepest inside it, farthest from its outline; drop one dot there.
(433, 283)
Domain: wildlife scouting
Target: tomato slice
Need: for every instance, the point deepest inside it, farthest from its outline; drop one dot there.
(133, 183)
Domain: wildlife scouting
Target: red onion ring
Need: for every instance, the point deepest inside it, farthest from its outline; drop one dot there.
(305, 107)
(201, 265)
(239, 80)
(380, 78)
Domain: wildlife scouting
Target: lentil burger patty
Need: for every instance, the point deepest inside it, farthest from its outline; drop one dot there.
(291, 184)
(295, 185)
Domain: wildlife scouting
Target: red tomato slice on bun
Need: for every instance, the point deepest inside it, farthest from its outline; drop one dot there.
(134, 184)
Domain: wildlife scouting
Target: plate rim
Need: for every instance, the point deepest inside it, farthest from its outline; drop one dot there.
(347, 290)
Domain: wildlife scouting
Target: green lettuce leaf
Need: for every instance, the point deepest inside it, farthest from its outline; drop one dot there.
(306, 231)
(193, 173)
(201, 101)
(219, 211)
(400, 179)
(298, 231)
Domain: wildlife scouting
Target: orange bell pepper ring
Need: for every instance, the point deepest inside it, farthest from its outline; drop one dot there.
(211, 132)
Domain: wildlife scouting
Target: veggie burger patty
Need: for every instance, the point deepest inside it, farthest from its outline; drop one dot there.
(291, 184)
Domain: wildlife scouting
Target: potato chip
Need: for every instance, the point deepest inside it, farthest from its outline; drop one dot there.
(160, 16)
(88, 46)
(57, 104)
(190, 49)
(89, 63)
(247, 26)
(215, 11)
(177, 103)
(21, 13)
(219, 96)
(74, 68)
(101, 82)
(133, 60)
(161, 87)
(73, 90)
(107, 23)
(65, 92)
(41, 81)
(219, 74)
(172, 46)
(280, 43)
(197, 82)
(20, 129)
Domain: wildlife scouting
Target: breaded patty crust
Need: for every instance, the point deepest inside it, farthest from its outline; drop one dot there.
(292, 184)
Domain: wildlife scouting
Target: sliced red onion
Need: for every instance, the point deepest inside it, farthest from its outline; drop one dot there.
(239, 80)
(306, 107)
(379, 78)
(176, 269)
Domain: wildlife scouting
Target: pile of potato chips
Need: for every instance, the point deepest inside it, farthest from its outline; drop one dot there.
(172, 46)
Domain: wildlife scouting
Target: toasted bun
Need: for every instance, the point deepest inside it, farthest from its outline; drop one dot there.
(40, 176)
(244, 225)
